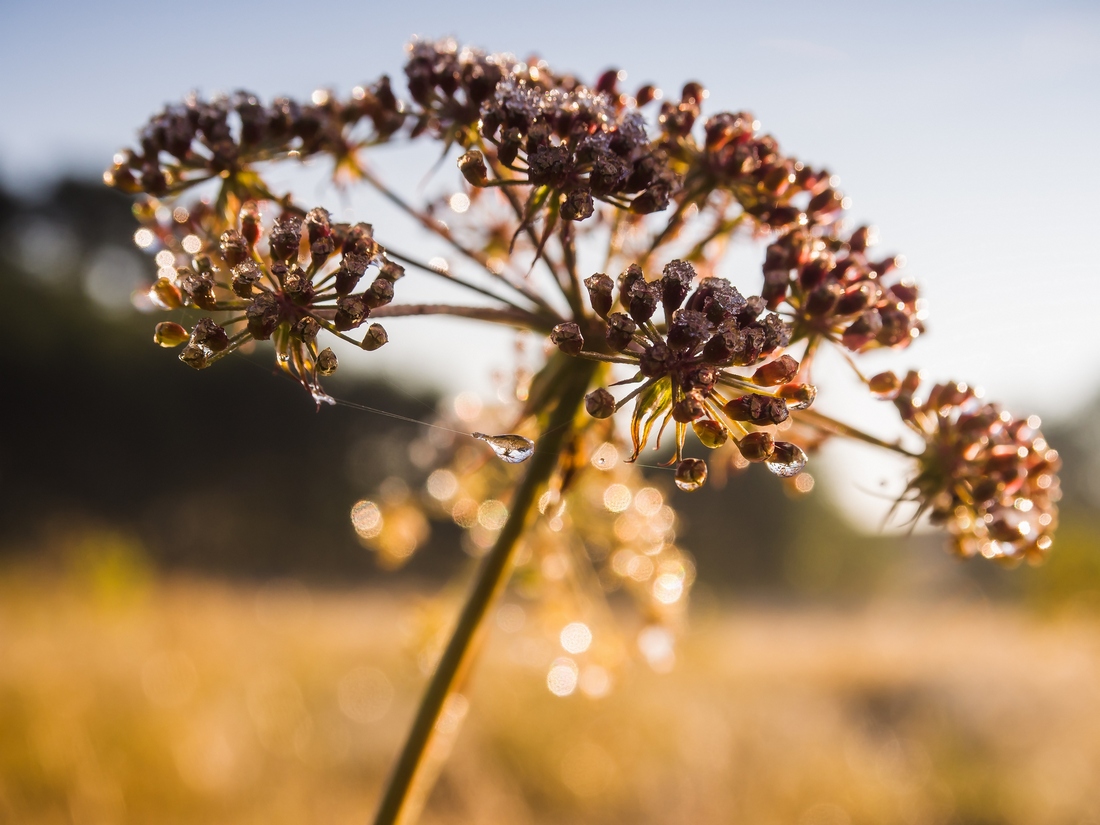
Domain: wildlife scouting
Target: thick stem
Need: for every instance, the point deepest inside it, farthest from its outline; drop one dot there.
(491, 579)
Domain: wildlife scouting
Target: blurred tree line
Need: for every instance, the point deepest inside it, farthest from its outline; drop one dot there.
(94, 416)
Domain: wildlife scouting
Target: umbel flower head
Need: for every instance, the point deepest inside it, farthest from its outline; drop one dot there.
(990, 478)
(286, 285)
(715, 364)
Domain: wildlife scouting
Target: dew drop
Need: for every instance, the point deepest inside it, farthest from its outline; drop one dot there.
(511, 448)
(321, 397)
(786, 460)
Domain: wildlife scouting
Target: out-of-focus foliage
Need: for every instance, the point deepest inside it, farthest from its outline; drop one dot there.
(123, 698)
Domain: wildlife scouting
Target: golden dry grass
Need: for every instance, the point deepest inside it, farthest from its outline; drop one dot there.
(127, 699)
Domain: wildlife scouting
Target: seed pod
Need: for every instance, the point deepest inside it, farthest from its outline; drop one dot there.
(263, 316)
(691, 474)
(756, 447)
(600, 403)
(689, 408)
(577, 205)
(351, 311)
(326, 361)
(620, 331)
(567, 337)
(379, 294)
(375, 338)
(285, 238)
(884, 385)
(245, 277)
(169, 334)
(233, 247)
(759, 409)
(306, 328)
(472, 166)
(779, 371)
(599, 288)
(392, 271)
(654, 360)
(209, 335)
(676, 281)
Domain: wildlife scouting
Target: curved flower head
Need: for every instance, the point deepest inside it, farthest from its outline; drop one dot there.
(990, 478)
(286, 285)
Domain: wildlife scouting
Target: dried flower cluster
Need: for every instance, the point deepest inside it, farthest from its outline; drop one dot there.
(991, 479)
(557, 183)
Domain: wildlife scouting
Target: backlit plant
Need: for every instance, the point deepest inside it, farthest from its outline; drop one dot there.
(598, 220)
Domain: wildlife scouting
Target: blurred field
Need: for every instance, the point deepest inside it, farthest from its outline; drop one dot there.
(125, 698)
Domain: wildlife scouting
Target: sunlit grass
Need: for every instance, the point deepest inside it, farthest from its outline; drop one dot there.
(128, 698)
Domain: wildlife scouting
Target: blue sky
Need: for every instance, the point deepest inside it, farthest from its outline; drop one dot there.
(966, 131)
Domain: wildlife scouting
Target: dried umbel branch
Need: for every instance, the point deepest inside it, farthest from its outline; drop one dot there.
(559, 182)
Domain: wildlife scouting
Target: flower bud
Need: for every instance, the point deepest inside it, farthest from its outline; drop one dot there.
(600, 287)
(691, 474)
(263, 316)
(351, 311)
(245, 277)
(375, 338)
(620, 331)
(169, 334)
(756, 446)
(326, 361)
(689, 408)
(233, 247)
(379, 294)
(654, 360)
(285, 238)
(567, 337)
(472, 166)
(306, 328)
(779, 371)
(392, 271)
(759, 409)
(577, 205)
(676, 281)
(209, 335)
(600, 403)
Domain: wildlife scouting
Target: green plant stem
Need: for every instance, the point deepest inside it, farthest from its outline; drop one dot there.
(490, 581)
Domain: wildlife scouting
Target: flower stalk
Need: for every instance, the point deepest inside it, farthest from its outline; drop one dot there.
(490, 581)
